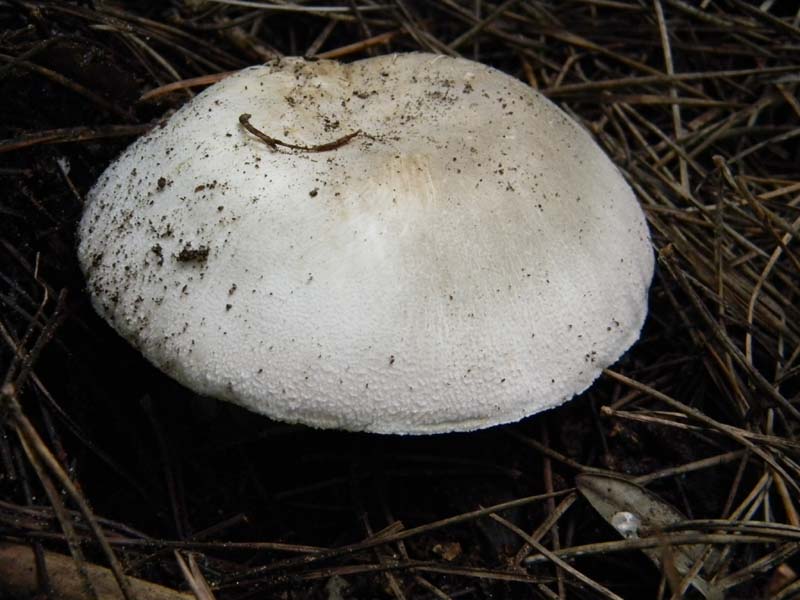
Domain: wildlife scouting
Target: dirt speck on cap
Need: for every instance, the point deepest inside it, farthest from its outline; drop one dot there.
(189, 254)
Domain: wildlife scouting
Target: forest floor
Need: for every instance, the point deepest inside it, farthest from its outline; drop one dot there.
(697, 428)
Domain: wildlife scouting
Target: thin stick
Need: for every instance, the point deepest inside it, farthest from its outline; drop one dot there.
(184, 84)
(72, 134)
(680, 539)
(31, 440)
(696, 414)
(481, 25)
(677, 122)
(67, 526)
(402, 535)
(560, 563)
(244, 121)
(383, 38)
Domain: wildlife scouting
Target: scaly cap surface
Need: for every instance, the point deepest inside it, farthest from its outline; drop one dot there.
(470, 258)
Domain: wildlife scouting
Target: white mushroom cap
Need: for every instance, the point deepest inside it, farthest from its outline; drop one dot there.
(470, 258)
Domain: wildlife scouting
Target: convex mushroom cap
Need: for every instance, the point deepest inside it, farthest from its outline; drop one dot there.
(443, 250)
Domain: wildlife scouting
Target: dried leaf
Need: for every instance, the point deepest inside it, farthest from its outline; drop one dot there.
(635, 512)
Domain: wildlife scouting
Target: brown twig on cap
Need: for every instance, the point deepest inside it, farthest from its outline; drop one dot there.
(244, 121)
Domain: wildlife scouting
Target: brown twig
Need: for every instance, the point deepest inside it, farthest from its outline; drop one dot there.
(71, 135)
(244, 121)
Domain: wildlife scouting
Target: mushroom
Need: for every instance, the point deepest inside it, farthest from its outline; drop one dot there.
(405, 244)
